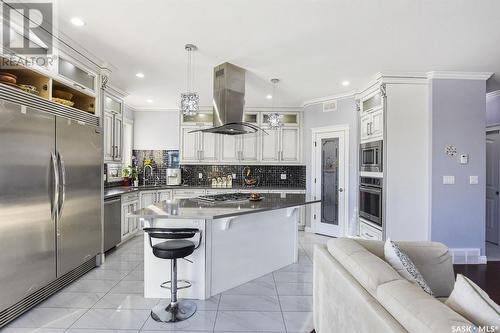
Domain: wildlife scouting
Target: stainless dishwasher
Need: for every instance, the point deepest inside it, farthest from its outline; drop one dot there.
(112, 222)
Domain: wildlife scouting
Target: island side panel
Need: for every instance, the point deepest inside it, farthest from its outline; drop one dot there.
(157, 271)
(250, 246)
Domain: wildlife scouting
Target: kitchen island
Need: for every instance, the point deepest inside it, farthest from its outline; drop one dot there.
(242, 240)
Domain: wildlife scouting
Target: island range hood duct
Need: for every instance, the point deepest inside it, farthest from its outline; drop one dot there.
(229, 102)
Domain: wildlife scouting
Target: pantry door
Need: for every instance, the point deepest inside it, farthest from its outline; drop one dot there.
(329, 181)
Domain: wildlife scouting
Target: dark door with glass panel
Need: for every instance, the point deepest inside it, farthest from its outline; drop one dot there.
(330, 181)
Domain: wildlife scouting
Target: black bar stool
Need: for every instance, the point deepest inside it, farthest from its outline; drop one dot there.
(177, 246)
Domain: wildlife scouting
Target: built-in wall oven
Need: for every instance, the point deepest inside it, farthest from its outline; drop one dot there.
(370, 156)
(370, 200)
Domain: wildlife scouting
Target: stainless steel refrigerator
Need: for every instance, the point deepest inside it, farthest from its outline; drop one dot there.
(50, 202)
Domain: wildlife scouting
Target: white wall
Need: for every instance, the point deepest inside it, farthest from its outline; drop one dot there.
(156, 130)
(345, 115)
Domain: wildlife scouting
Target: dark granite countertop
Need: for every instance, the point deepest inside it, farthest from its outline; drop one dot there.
(201, 210)
(112, 192)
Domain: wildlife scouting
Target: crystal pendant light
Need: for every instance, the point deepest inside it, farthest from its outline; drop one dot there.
(275, 120)
(190, 100)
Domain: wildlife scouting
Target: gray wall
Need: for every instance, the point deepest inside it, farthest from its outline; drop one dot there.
(156, 130)
(493, 110)
(458, 117)
(128, 112)
(345, 115)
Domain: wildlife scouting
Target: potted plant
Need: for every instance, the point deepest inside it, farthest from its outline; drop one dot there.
(126, 174)
(134, 175)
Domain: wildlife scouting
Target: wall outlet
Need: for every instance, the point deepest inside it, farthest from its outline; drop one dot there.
(200, 175)
(234, 176)
(474, 180)
(448, 180)
(283, 176)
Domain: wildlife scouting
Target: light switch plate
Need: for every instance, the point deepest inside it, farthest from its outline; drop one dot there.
(474, 180)
(234, 176)
(200, 175)
(283, 176)
(448, 180)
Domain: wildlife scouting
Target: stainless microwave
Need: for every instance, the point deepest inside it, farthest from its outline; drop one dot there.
(370, 156)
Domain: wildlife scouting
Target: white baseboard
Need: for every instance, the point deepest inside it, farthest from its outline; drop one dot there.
(467, 256)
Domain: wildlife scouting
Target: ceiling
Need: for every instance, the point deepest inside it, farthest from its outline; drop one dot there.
(311, 45)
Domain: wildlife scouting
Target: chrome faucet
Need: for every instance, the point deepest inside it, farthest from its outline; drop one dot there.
(144, 173)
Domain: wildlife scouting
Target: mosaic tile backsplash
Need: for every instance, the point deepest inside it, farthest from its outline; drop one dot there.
(262, 175)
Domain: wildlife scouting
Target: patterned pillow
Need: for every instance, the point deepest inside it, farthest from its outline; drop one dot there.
(400, 261)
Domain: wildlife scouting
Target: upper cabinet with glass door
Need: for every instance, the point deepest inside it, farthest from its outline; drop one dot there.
(78, 76)
(287, 118)
(199, 119)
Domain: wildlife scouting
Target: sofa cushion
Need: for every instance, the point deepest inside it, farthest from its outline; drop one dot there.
(473, 303)
(368, 269)
(400, 261)
(416, 310)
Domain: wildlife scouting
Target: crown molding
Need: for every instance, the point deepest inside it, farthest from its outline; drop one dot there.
(493, 94)
(321, 100)
(459, 75)
(116, 92)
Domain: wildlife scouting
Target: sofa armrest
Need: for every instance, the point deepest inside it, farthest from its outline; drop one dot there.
(434, 262)
(432, 259)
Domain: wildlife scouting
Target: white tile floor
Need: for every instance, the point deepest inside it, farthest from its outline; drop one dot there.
(109, 300)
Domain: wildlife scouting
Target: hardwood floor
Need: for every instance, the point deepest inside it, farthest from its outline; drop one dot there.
(485, 276)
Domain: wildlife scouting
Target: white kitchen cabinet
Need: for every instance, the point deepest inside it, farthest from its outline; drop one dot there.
(270, 146)
(147, 198)
(129, 225)
(189, 144)
(150, 197)
(163, 195)
(113, 128)
(198, 147)
(238, 148)
(372, 125)
(108, 136)
(281, 145)
(377, 127)
(209, 147)
(290, 152)
(367, 231)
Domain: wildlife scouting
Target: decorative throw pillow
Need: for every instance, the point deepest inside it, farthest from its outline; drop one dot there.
(400, 261)
(473, 303)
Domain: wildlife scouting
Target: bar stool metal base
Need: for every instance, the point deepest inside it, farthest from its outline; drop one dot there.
(173, 312)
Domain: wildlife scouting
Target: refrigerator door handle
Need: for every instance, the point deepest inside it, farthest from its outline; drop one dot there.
(62, 184)
(55, 188)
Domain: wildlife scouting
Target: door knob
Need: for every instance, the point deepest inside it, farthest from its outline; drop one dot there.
(341, 190)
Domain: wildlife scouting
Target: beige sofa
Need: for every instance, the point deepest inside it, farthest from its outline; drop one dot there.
(355, 290)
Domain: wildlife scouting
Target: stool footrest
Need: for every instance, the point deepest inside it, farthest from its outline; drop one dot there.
(168, 284)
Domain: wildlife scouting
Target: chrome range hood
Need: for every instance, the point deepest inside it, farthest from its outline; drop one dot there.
(229, 102)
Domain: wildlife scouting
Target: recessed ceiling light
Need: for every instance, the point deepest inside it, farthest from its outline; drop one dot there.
(269, 96)
(140, 75)
(346, 83)
(77, 21)
(149, 100)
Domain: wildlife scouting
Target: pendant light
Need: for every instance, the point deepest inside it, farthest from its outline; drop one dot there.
(275, 119)
(190, 100)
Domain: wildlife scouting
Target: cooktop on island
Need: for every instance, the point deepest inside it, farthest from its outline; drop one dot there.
(225, 197)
